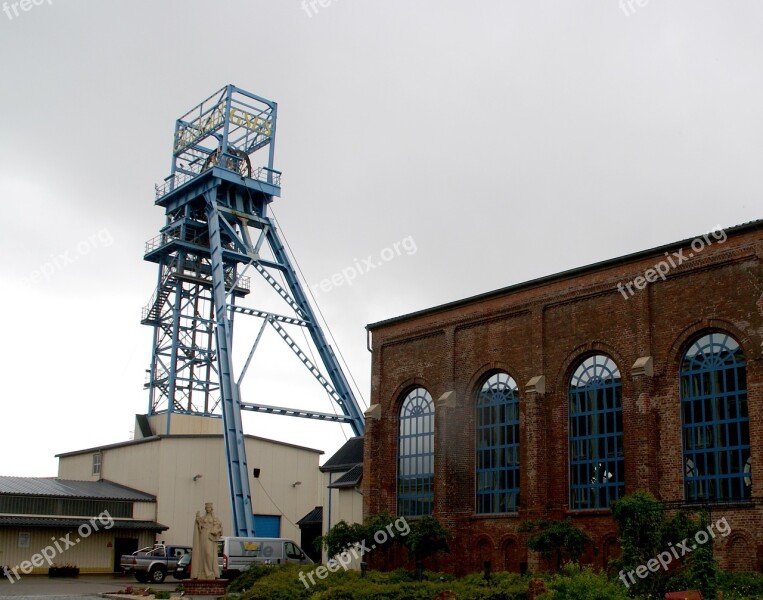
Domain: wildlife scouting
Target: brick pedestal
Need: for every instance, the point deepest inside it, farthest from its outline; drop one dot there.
(205, 587)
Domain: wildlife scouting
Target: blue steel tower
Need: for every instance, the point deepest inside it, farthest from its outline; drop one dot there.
(217, 232)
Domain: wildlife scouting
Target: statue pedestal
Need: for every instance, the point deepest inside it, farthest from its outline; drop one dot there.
(204, 587)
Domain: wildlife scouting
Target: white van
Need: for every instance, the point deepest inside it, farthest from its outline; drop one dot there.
(237, 553)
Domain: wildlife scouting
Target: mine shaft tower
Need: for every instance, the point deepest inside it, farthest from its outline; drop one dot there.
(217, 230)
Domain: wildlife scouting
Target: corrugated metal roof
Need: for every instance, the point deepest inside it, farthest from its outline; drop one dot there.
(346, 457)
(72, 523)
(350, 479)
(67, 488)
(314, 517)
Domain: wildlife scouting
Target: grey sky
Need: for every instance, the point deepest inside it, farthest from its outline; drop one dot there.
(510, 140)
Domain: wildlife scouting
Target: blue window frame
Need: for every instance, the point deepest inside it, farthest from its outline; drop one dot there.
(597, 476)
(415, 464)
(716, 426)
(497, 430)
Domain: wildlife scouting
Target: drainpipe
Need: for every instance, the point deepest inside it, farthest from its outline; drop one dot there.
(331, 477)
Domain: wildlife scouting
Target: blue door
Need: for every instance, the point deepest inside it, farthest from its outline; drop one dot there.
(267, 526)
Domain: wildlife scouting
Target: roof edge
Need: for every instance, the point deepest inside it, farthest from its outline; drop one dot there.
(335, 468)
(157, 438)
(597, 266)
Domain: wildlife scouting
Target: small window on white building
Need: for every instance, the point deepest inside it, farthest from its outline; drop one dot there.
(97, 463)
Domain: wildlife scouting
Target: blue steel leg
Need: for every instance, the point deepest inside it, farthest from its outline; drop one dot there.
(235, 450)
(349, 405)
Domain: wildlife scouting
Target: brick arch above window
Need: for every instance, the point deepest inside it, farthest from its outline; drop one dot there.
(686, 338)
(560, 377)
(397, 397)
(486, 370)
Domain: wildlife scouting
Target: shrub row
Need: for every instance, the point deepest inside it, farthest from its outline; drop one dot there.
(573, 583)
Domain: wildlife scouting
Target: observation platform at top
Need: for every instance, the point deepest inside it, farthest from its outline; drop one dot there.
(229, 138)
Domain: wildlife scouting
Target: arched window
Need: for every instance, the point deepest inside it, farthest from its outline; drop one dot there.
(415, 464)
(497, 429)
(716, 426)
(596, 434)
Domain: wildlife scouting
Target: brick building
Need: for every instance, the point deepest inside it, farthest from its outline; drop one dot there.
(554, 397)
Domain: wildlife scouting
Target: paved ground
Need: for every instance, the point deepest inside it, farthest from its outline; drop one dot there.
(85, 586)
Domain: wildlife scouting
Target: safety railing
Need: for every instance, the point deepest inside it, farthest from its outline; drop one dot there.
(173, 182)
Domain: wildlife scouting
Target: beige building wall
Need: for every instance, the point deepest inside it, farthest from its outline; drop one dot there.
(183, 425)
(166, 467)
(144, 511)
(346, 505)
(92, 554)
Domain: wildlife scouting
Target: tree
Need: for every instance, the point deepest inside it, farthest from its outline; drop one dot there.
(645, 533)
(640, 524)
(556, 538)
(703, 570)
(423, 537)
(427, 538)
(340, 537)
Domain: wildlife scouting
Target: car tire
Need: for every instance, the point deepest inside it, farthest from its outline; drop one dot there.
(157, 575)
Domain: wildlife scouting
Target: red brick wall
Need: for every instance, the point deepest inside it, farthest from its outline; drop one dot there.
(545, 329)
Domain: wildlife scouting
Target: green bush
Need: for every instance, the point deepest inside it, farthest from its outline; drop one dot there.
(702, 567)
(572, 583)
(645, 531)
(426, 538)
(556, 538)
(282, 583)
(502, 586)
(740, 586)
(344, 535)
(367, 590)
(341, 536)
(575, 583)
(246, 580)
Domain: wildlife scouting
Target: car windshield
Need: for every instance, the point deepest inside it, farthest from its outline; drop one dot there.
(185, 559)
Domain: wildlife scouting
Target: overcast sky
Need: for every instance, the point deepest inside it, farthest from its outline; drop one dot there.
(504, 140)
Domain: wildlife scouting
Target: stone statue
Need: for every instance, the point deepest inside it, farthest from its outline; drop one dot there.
(206, 532)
